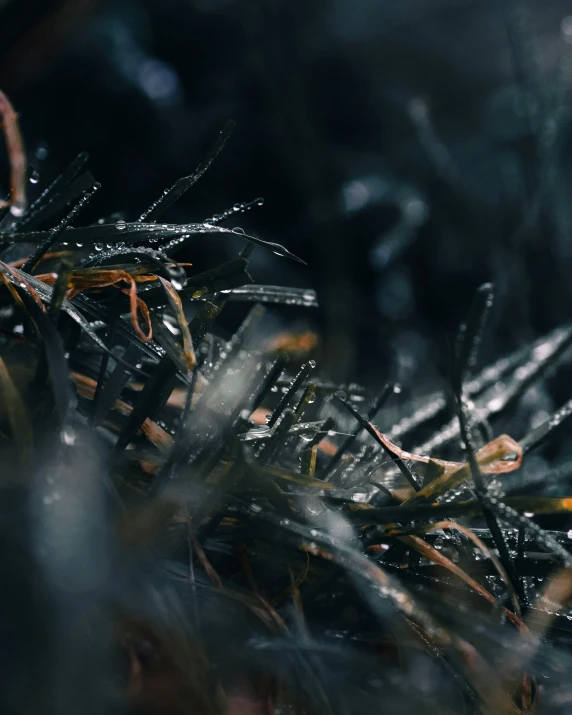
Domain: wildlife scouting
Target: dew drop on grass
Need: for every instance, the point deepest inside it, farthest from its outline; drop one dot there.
(68, 436)
(41, 151)
(120, 225)
(17, 209)
(34, 177)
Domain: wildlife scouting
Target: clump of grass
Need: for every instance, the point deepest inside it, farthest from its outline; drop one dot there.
(198, 524)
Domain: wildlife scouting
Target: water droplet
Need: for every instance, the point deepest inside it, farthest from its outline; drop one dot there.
(312, 398)
(529, 514)
(98, 246)
(340, 394)
(238, 230)
(41, 151)
(17, 209)
(79, 245)
(312, 363)
(68, 436)
(359, 496)
(34, 176)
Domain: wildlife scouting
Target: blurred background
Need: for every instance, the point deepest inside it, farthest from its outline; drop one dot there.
(408, 151)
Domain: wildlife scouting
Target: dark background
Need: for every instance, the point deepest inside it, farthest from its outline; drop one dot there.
(408, 151)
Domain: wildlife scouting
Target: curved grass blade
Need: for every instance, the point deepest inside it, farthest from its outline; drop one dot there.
(45, 292)
(471, 332)
(291, 392)
(43, 206)
(56, 232)
(547, 429)
(153, 397)
(170, 196)
(387, 391)
(281, 295)
(376, 434)
(491, 458)
(431, 512)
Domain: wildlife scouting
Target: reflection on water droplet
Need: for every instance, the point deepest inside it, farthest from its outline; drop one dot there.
(359, 496)
(120, 225)
(41, 151)
(98, 246)
(34, 177)
(68, 436)
(17, 209)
